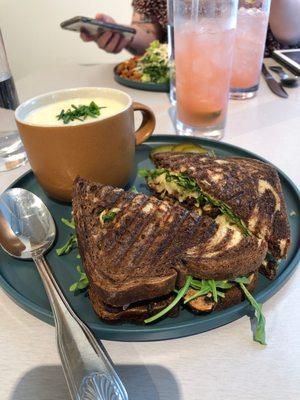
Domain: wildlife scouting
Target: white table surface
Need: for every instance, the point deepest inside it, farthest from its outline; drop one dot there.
(220, 364)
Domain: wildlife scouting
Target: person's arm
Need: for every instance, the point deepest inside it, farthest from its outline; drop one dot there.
(112, 42)
(146, 32)
(285, 21)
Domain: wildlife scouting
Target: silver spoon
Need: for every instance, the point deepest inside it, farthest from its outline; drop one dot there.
(285, 79)
(27, 230)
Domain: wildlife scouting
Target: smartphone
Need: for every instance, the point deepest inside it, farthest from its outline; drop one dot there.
(289, 58)
(95, 27)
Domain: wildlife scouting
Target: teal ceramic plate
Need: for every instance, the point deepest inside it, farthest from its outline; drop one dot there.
(151, 87)
(21, 280)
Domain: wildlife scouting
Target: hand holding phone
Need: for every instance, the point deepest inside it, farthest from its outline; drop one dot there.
(103, 30)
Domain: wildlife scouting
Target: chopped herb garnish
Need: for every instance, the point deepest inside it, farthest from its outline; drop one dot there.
(81, 112)
(108, 215)
(82, 282)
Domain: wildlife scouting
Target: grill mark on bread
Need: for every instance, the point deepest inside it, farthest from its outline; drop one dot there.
(125, 221)
(143, 242)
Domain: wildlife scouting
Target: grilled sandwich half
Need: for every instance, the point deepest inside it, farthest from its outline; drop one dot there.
(247, 191)
(138, 251)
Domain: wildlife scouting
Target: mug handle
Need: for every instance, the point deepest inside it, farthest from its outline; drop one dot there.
(148, 123)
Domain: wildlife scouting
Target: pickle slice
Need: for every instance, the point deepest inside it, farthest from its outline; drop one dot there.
(181, 148)
(190, 148)
(161, 149)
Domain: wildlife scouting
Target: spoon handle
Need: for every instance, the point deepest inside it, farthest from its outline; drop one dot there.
(87, 367)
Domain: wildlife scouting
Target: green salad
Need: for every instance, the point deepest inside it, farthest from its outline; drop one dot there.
(153, 65)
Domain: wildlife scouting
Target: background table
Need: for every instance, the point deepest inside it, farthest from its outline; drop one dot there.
(221, 364)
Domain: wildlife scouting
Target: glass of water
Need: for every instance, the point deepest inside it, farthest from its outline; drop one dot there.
(12, 153)
(172, 94)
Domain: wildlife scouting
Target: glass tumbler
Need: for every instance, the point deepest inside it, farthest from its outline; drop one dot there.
(170, 26)
(251, 30)
(204, 39)
(12, 153)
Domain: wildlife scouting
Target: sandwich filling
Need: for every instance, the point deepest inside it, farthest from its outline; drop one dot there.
(184, 188)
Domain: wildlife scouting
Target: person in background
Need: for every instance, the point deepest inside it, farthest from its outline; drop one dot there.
(284, 26)
(150, 21)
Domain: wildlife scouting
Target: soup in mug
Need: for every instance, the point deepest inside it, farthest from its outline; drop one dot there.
(72, 112)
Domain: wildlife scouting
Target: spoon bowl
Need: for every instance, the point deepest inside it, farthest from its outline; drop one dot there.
(27, 228)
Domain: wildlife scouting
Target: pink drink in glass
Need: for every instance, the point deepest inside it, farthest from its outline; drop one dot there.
(203, 57)
(249, 47)
(203, 54)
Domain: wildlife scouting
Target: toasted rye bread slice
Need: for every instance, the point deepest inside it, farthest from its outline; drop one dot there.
(133, 257)
(251, 188)
(227, 254)
(233, 296)
(136, 312)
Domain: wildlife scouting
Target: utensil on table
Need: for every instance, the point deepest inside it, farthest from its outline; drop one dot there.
(274, 86)
(285, 79)
(27, 231)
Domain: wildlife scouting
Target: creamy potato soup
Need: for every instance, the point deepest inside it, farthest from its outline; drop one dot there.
(49, 114)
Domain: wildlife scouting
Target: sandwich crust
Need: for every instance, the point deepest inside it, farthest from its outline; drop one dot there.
(136, 312)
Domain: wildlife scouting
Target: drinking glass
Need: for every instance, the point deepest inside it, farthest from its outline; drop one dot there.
(170, 26)
(204, 39)
(251, 30)
(12, 153)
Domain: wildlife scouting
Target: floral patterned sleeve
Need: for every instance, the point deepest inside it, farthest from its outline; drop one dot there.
(154, 11)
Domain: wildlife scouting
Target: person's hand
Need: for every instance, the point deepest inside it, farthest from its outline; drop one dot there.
(112, 42)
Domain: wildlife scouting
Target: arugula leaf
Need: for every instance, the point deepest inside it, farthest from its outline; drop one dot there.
(148, 173)
(212, 284)
(259, 334)
(70, 223)
(208, 286)
(82, 282)
(179, 296)
(200, 292)
(134, 189)
(212, 153)
(68, 247)
(242, 279)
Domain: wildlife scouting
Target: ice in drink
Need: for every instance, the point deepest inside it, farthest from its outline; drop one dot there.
(249, 47)
(203, 59)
